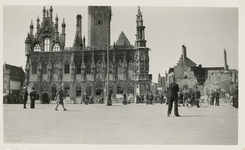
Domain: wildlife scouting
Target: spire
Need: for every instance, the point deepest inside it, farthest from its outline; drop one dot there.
(44, 11)
(140, 33)
(31, 28)
(51, 11)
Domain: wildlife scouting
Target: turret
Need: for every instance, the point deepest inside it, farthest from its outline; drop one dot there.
(51, 12)
(44, 11)
(63, 35)
(140, 35)
(31, 28)
(27, 44)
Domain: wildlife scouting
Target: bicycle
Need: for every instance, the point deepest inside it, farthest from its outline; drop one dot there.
(227, 100)
(203, 102)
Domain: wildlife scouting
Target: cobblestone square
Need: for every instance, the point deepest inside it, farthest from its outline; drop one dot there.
(133, 124)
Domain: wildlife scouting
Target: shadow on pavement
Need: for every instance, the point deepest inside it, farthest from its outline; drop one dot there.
(193, 116)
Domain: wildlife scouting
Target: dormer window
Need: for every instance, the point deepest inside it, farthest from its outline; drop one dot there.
(37, 48)
(46, 44)
(56, 47)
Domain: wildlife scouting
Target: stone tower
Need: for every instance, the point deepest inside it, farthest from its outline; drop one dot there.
(99, 19)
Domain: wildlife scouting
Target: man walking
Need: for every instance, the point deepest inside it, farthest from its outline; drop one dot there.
(60, 97)
(217, 94)
(173, 98)
(197, 96)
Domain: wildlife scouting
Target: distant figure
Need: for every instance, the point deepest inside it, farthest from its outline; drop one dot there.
(137, 98)
(124, 98)
(24, 95)
(60, 97)
(181, 97)
(185, 97)
(173, 98)
(33, 97)
(217, 94)
(197, 96)
(212, 95)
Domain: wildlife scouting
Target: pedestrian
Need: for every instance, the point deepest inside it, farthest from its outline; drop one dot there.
(24, 95)
(60, 99)
(212, 95)
(33, 97)
(137, 98)
(217, 94)
(124, 98)
(173, 98)
(181, 97)
(197, 96)
(185, 97)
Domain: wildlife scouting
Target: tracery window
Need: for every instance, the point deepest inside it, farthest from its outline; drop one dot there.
(130, 88)
(119, 89)
(44, 68)
(67, 68)
(56, 47)
(78, 68)
(55, 67)
(78, 90)
(46, 44)
(37, 48)
(34, 68)
(88, 68)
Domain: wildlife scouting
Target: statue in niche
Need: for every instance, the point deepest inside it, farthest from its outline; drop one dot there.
(119, 67)
(99, 67)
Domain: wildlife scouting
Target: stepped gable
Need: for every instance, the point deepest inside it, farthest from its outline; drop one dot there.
(189, 62)
(122, 40)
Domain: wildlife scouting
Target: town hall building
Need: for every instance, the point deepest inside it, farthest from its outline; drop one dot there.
(82, 68)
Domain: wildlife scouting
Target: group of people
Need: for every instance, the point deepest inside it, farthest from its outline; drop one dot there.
(214, 96)
(188, 97)
(24, 96)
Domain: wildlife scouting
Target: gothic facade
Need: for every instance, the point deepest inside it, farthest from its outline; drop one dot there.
(82, 68)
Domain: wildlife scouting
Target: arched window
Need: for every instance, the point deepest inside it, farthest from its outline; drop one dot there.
(55, 67)
(88, 90)
(67, 68)
(88, 68)
(44, 68)
(131, 88)
(37, 48)
(66, 90)
(56, 47)
(99, 19)
(34, 68)
(119, 89)
(46, 44)
(78, 90)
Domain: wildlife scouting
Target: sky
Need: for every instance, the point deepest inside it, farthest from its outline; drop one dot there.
(205, 31)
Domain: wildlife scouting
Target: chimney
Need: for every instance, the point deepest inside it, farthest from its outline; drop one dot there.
(225, 59)
(184, 55)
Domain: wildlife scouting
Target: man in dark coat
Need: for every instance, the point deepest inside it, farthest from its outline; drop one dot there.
(235, 96)
(197, 96)
(212, 95)
(24, 95)
(173, 98)
(217, 94)
(60, 99)
(33, 97)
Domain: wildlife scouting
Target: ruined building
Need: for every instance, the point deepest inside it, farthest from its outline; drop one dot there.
(82, 68)
(188, 74)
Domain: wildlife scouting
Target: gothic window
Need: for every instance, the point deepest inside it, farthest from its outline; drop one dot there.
(37, 48)
(44, 68)
(130, 64)
(56, 47)
(34, 68)
(55, 67)
(130, 88)
(54, 91)
(119, 89)
(119, 67)
(88, 68)
(67, 68)
(78, 90)
(66, 90)
(88, 90)
(78, 68)
(46, 44)
(99, 19)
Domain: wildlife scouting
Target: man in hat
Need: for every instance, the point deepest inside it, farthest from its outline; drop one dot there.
(173, 98)
(33, 97)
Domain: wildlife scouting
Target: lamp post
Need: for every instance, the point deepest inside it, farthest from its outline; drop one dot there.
(108, 94)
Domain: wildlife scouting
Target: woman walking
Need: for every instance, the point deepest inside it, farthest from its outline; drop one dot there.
(60, 97)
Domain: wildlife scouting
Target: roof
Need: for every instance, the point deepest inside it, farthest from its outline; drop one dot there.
(122, 40)
(15, 72)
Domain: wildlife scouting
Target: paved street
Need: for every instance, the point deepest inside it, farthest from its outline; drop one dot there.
(119, 124)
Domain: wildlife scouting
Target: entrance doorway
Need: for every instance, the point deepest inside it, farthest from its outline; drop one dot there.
(45, 98)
